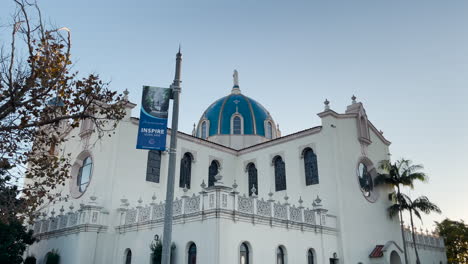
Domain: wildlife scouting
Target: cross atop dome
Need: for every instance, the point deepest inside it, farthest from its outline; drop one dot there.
(235, 88)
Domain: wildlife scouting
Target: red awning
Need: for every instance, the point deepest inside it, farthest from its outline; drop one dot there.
(377, 252)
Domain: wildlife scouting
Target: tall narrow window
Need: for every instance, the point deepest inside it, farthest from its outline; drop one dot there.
(310, 257)
(253, 180)
(153, 166)
(212, 172)
(185, 170)
(237, 126)
(128, 257)
(269, 130)
(310, 167)
(203, 130)
(280, 255)
(280, 174)
(244, 254)
(84, 174)
(192, 254)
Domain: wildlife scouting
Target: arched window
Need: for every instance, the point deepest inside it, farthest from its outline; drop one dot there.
(212, 172)
(128, 257)
(269, 130)
(364, 128)
(192, 254)
(153, 166)
(310, 257)
(310, 167)
(84, 174)
(185, 170)
(365, 179)
(244, 254)
(203, 130)
(280, 255)
(253, 180)
(280, 174)
(237, 125)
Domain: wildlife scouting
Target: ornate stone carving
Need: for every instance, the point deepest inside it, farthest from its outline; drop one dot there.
(245, 204)
(309, 216)
(130, 218)
(73, 219)
(94, 217)
(192, 204)
(45, 226)
(224, 198)
(53, 224)
(144, 214)
(158, 211)
(280, 211)
(37, 227)
(63, 221)
(295, 214)
(212, 200)
(263, 208)
(177, 207)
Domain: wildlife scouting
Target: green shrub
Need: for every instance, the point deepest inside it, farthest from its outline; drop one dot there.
(30, 260)
(53, 257)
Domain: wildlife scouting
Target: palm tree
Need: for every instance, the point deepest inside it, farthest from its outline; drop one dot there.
(401, 173)
(416, 206)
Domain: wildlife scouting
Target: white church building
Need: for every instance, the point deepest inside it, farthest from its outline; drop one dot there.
(244, 193)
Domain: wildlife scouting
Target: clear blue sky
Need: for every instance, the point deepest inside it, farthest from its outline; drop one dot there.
(407, 61)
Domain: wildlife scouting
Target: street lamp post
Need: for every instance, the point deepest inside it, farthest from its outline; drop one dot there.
(167, 233)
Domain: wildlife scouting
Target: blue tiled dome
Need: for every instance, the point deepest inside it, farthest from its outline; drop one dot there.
(219, 115)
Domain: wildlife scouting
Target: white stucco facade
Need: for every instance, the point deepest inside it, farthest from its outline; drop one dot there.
(120, 210)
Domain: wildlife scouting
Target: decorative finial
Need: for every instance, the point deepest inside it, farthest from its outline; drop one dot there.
(53, 212)
(203, 185)
(286, 198)
(354, 99)
(234, 185)
(71, 207)
(62, 210)
(278, 131)
(318, 200)
(194, 132)
(327, 105)
(126, 92)
(236, 78)
(179, 49)
(235, 88)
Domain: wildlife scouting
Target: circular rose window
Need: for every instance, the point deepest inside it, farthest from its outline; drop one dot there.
(81, 173)
(365, 180)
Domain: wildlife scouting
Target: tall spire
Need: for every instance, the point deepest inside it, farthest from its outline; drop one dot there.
(235, 88)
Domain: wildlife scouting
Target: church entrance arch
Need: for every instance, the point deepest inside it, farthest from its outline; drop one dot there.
(395, 258)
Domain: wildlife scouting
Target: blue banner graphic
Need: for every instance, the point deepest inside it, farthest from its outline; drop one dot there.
(152, 129)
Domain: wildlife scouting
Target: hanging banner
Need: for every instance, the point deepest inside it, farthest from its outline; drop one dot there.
(152, 129)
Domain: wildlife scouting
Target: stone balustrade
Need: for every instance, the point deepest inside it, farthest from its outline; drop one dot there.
(219, 200)
(88, 215)
(424, 240)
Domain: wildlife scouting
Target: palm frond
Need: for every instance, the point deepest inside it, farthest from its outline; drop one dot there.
(423, 204)
(416, 213)
(393, 210)
(382, 179)
(385, 165)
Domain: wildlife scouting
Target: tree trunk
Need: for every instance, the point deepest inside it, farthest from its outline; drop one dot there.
(402, 228)
(414, 238)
